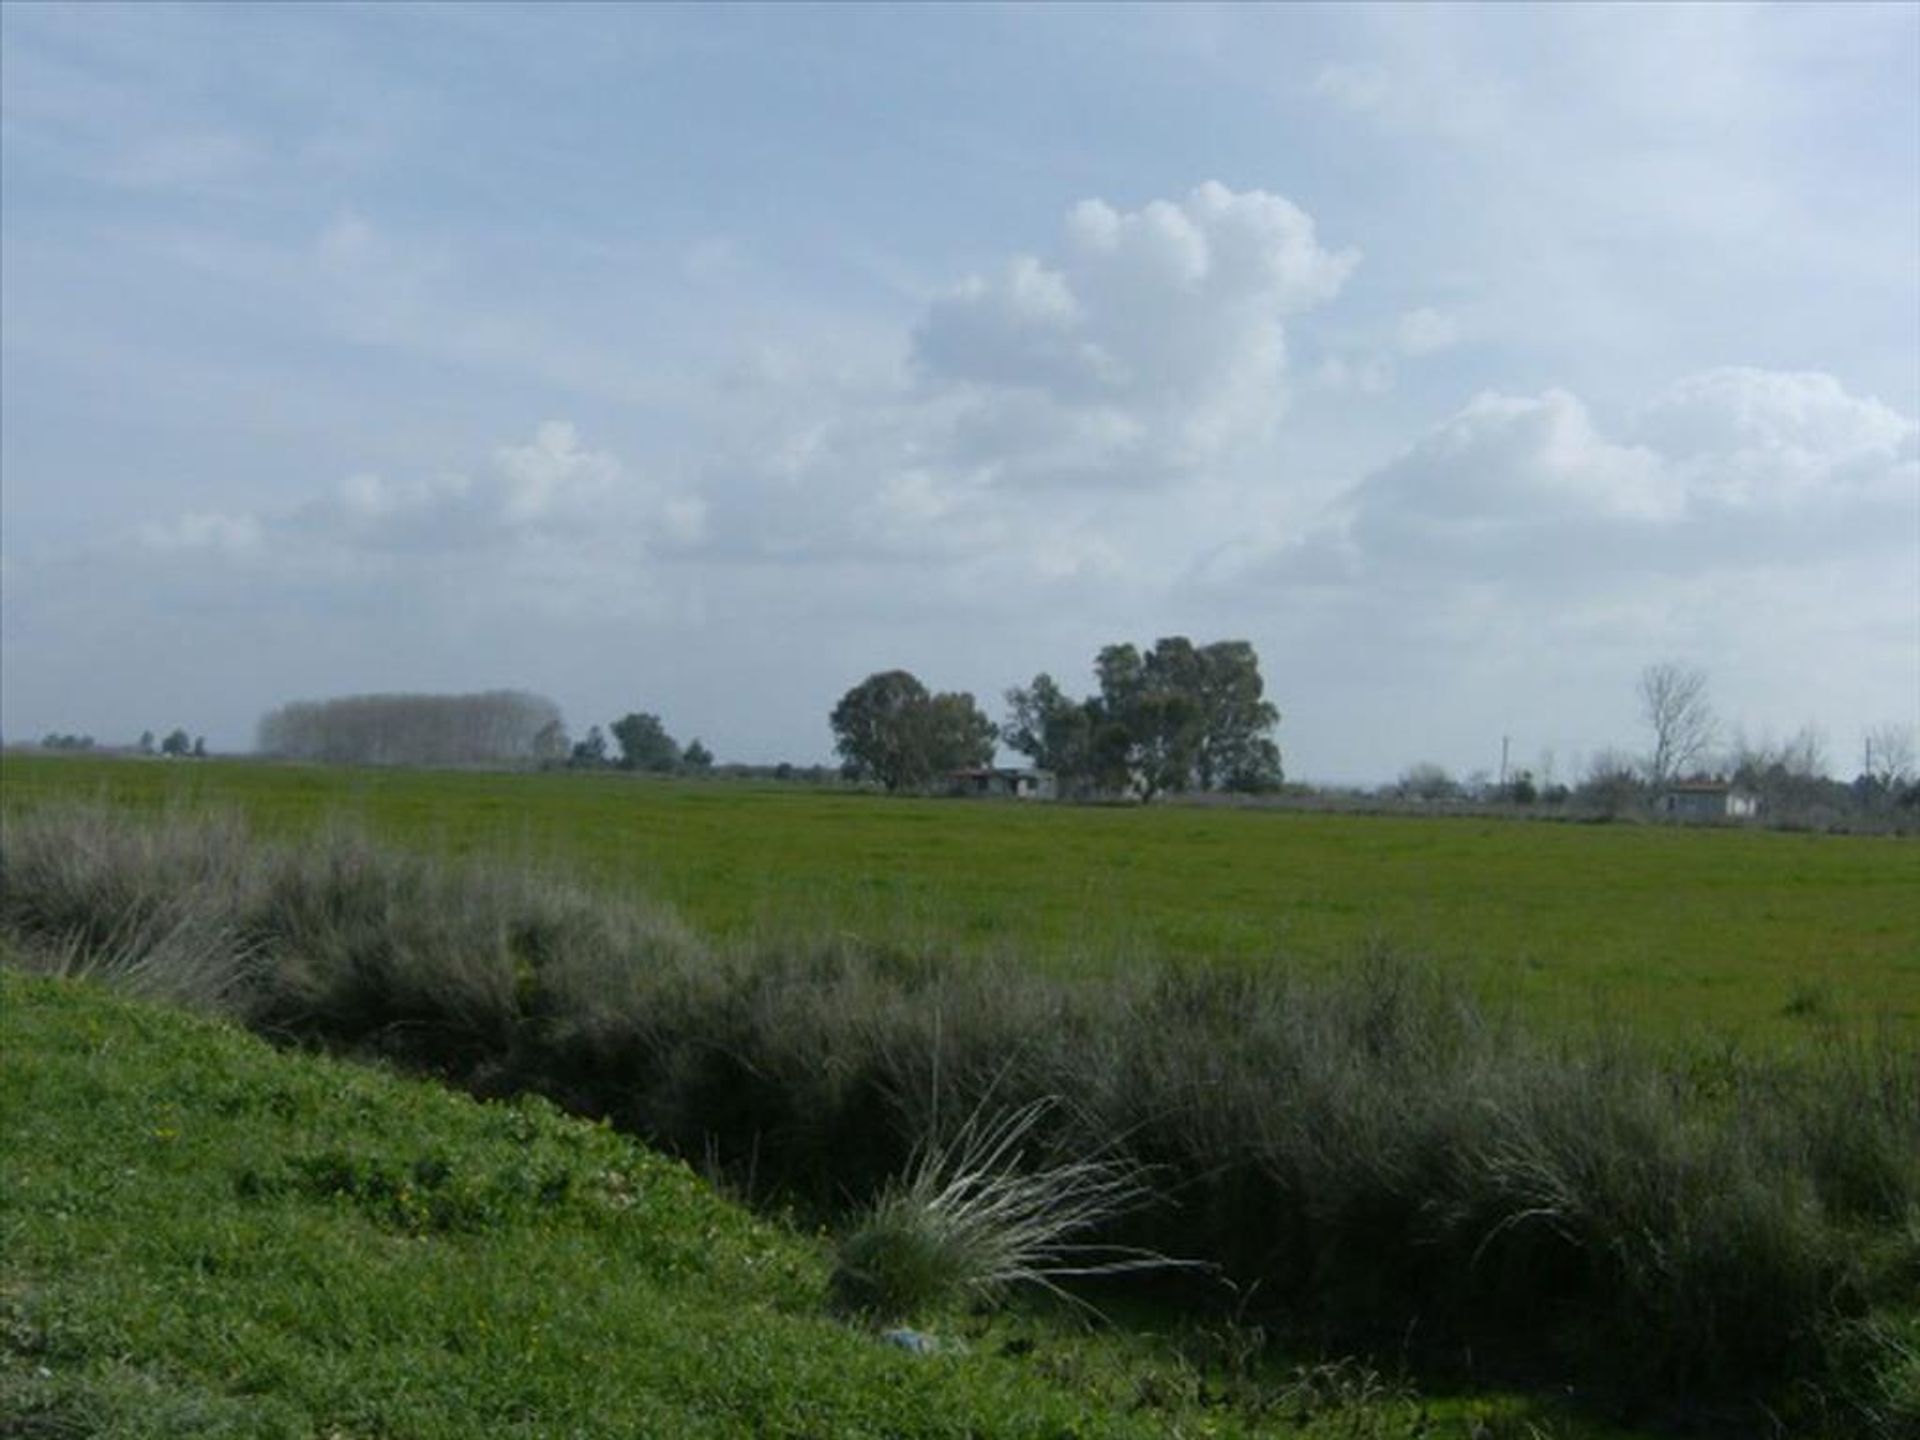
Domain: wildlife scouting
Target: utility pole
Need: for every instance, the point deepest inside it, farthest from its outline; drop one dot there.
(1505, 742)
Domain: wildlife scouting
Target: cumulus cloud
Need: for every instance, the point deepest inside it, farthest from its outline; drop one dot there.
(1151, 342)
(1757, 439)
(1143, 354)
(1729, 469)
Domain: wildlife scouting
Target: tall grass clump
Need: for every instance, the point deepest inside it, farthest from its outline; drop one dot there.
(1373, 1157)
(985, 1210)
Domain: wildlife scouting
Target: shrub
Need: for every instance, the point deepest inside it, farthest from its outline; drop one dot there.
(977, 1213)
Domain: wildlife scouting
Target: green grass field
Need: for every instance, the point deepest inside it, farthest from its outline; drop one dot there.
(204, 1237)
(1678, 931)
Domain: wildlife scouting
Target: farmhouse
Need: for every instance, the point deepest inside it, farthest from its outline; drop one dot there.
(1012, 783)
(1707, 800)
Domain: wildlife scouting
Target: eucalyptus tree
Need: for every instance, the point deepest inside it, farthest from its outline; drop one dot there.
(890, 728)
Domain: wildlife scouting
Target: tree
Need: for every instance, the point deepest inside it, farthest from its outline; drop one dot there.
(1888, 757)
(1236, 751)
(146, 742)
(178, 742)
(1612, 784)
(889, 728)
(590, 753)
(199, 747)
(1674, 705)
(1151, 700)
(958, 735)
(697, 757)
(644, 743)
(1188, 716)
(1168, 719)
(874, 729)
(1427, 781)
(1050, 728)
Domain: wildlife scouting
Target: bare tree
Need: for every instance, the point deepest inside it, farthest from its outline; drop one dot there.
(1674, 704)
(1889, 756)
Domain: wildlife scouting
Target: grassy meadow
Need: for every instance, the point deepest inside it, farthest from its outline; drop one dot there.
(1679, 931)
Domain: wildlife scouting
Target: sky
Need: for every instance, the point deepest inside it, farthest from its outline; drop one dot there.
(702, 361)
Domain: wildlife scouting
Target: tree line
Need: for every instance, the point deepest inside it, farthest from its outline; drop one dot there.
(493, 727)
(177, 743)
(1175, 717)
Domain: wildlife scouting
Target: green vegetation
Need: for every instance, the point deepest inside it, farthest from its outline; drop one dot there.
(205, 1237)
(208, 1237)
(973, 1217)
(1371, 1159)
(1679, 931)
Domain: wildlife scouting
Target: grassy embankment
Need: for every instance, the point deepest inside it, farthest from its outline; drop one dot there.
(1377, 1157)
(1674, 930)
(205, 1237)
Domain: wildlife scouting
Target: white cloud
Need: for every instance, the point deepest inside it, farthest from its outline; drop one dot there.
(1762, 416)
(553, 476)
(1730, 470)
(565, 519)
(1152, 342)
(1144, 356)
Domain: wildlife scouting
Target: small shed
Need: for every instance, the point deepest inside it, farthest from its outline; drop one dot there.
(1007, 782)
(1707, 800)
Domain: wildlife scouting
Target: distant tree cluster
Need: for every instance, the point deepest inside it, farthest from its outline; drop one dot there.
(494, 727)
(179, 745)
(644, 745)
(1176, 717)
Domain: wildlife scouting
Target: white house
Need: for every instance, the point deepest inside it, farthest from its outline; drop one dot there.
(1707, 800)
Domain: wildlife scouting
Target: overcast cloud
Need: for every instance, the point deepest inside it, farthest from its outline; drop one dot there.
(704, 361)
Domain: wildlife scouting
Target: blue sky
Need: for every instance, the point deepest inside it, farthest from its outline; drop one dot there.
(704, 360)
